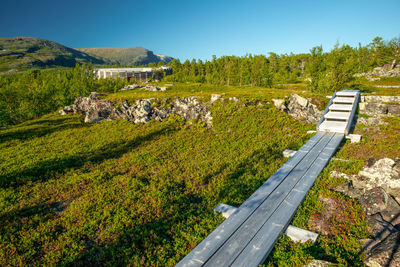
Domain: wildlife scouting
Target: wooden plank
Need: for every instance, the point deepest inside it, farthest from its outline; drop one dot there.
(335, 115)
(341, 107)
(343, 100)
(213, 241)
(347, 93)
(234, 245)
(333, 126)
(260, 246)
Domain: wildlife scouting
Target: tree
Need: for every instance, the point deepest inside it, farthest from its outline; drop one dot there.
(394, 45)
(315, 68)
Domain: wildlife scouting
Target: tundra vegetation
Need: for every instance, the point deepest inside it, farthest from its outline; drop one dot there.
(118, 193)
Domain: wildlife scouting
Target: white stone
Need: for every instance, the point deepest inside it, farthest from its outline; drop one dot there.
(300, 235)
(301, 100)
(354, 138)
(225, 210)
(311, 131)
(287, 153)
(339, 175)
(279, 103)
(215, 97)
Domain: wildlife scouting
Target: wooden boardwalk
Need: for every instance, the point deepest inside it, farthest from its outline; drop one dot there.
(249, 234)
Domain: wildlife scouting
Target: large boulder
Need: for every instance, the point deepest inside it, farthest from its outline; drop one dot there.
(301, 108)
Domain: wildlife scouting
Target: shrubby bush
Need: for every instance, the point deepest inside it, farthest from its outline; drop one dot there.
(38, 92)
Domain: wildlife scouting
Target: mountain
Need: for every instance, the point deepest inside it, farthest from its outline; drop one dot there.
(21, 53)
(126, 56)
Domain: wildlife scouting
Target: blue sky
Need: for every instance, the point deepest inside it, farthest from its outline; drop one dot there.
(199, 29)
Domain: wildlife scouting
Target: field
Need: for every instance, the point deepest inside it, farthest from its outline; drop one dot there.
(116, 193)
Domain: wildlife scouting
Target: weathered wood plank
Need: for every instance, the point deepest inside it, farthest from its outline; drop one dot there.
(260, 246)
(203, 251)
(235, 243)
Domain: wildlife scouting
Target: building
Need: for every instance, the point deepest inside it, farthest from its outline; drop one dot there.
(137, 74)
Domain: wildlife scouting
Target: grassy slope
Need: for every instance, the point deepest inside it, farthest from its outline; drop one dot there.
(27, 52)
(119, 193)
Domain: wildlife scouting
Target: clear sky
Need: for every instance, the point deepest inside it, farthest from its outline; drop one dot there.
(187, 29)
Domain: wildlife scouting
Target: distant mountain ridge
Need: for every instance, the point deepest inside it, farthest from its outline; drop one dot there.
(126, 56)
(21, 53)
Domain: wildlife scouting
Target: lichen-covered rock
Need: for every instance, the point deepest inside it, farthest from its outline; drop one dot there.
(376, 187)
(385, 253)
(142, 111)
(383, 173)
(98, 110)
(300, 108)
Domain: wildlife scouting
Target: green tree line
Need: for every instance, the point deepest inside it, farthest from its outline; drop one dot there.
(38, 92)
(323, 71)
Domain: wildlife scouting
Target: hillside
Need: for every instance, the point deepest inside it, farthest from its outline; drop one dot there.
(28, 52)
(126, 56)
(121, 193)
(21, 53)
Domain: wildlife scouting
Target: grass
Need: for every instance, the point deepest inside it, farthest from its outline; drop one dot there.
(116, 193)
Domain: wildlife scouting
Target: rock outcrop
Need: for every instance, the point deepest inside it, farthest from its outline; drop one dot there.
(142, 111)
(374, 109)
(377, 188)
(300, 108)
(378, 72)
(150, 88)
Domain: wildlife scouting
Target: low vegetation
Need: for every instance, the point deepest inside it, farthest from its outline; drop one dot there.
(117, 193)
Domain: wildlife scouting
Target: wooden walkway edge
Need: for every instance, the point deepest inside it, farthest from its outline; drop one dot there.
(249, 234)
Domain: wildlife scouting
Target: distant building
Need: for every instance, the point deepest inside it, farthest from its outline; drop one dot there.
(137, 74)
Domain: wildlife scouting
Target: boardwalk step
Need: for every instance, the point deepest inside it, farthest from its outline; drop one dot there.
(332, 115)
(333, 126)
(341, 107)
(343, 100)
(347, 93)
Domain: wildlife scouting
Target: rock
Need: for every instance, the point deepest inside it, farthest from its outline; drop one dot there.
(372, 121)
(81, 105)
(385, 253)
(301, 108)
(190, 109)
(287, 153)
(320, 263)
(354, 138)
(381, 99)
(279, 103)
(214, 97)
(300, 100)
(66, 110)
(98, 110)
(234, 99)
(339, 175)
(142, 111)
(374, 200)
(381, 174)
(131, 87)
(376, 187)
